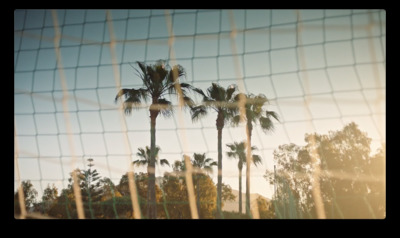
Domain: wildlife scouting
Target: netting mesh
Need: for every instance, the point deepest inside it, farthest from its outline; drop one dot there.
(320, 69)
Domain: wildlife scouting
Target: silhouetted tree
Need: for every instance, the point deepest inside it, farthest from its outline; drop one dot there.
(238, 151)
(219, 100)
(255, 112)
(159, 80)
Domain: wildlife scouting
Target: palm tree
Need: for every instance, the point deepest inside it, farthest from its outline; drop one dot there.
(145, 156)
(254, 113)
(144, 159)
(159, 80)
(219, 100)
(238, 151)
(201, 163)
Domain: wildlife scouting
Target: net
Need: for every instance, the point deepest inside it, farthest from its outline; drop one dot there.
(319, 69)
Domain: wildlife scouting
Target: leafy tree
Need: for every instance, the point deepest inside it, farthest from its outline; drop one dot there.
(29, 194)
(293, 180)
(265, 208)
(175, 189)
(348, 185)
(254, 112)
(108, 189)
(219, 100)
(238, 151)
(141, 180)
(158, 79)
(49, 197)
(227, 194)
(91, 193)
(176, 197)
(351, 181)
(64, 206)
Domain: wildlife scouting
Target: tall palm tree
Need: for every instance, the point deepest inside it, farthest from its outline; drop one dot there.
(238, 151)
(220, 100)
(159, 80)
(254, 112)
(201, 163)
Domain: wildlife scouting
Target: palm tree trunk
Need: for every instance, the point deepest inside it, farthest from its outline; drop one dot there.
(240, 191)
(198, 194)
(248, 163)
(152, 209)
(219, 184)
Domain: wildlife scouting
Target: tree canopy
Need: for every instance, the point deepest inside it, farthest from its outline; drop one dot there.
(352, 181)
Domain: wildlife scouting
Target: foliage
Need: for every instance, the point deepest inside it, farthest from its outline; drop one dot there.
(29, 194)
(238, 151)
(351, 180)
(145, 154)
(141, 181)
(49, 197)
(254, 110)
(175, 189)
(227, 194)
(234, 215)
(265, 208)
(159, 80)
(221, 101)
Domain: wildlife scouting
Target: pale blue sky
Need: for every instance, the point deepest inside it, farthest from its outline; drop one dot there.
(333, 59)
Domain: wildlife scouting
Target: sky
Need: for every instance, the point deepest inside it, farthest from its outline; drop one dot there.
(320, 69)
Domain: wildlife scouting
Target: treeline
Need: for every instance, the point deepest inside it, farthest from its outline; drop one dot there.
(102, 199)
(351, 184)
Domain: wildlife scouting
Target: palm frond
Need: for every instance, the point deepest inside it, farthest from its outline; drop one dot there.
(198, 112)
(209, 161)
(143, 75)
(140, 162)
(188, 102)
(164, 106)
(235, 121)
(257, 160)
(266, 124)
(176, 72)
(142, 153)
(120, 93)
(199, 91)
(254, 148)
(272, 114)
(231, 154)
(217, 92)
(133, 98)
(164, 162)
(230, 91)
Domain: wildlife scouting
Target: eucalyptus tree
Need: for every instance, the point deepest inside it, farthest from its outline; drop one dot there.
(159, 80)
(254, 112)
(221, 101)
(238, 151)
